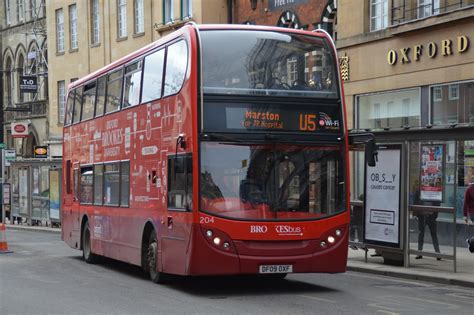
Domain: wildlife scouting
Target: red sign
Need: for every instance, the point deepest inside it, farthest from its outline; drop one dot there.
(19, 130)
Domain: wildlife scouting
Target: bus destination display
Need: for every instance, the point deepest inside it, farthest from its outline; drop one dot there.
(272, 118)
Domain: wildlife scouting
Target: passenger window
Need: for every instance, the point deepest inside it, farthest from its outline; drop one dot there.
(111, 184)
(176, 63)
(76, 183)
(180, 182)
(86, 186)
(88, 101)
(132, 82)
(70, 107)
(153, 76)
(98, 184)
(114, 91)
(100, 102)
(124, 183)
(76, 115)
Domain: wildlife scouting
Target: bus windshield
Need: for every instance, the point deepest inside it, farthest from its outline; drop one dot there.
(267, 63)
(271, 181)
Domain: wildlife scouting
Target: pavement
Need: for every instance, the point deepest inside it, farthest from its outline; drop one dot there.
(426, 269)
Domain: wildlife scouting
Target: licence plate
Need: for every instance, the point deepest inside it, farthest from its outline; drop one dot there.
(275, 268)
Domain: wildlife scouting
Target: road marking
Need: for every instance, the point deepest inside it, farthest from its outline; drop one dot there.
(388, 278)
(387, 312)
(318, 299)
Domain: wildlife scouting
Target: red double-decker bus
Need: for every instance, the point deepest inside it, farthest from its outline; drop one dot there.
(217, 150)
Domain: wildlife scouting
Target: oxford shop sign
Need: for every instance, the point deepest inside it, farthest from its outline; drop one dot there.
(430, 50)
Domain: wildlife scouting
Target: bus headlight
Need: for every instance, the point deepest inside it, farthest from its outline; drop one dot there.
(331, 239)
(209, 233)
(338, 233)
(217, 241)
(323, 244)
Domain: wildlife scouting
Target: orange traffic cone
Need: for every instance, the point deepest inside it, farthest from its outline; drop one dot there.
(3, 240)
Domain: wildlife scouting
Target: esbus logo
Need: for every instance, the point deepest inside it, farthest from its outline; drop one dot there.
(287, 229)
(258, 229)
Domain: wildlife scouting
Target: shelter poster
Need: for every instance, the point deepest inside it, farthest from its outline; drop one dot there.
(432, 169)
(382, 200)
(54, 195)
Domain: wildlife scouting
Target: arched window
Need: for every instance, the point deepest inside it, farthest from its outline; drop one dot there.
(8, 81)
(329, 19)
(20, 71)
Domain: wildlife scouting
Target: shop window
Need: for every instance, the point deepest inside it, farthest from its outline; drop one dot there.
(180, 185)
(457, 108)
(176, 64)
(86, 185)
(389, 110)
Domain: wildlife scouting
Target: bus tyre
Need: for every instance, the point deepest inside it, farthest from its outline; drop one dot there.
(89, 257)
(152, 260)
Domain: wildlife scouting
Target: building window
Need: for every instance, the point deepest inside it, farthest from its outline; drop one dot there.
(378, 14)
(186, 9)
(394, 109)
(33, 9)
(7, 12)
(139, 17)
(21, 71)
(122, 18)
(73, 26)
(59, 30)
(167, 11)
(95, 20)
(20, 11)
(427, 8)
(453, 92)
(61, 101)
(9, 81)
(458, 107)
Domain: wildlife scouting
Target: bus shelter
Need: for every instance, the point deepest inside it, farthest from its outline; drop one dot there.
(35, 191)
(423, 218)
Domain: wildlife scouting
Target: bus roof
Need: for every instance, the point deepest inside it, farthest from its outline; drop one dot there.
(187, 28)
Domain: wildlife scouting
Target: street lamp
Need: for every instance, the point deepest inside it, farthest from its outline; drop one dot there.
(253, 4)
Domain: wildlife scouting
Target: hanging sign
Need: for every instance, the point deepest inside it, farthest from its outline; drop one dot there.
(41, 152)
(431, 172)
(382, 199)
(19, 130)
(28, 84)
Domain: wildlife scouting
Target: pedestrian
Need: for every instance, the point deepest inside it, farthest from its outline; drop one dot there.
(468, 207)
(427, 219)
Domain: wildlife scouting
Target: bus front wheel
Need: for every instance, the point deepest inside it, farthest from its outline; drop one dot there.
(87, 254)
(152, 260)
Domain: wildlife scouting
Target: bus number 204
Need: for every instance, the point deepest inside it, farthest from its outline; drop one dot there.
(206, 220)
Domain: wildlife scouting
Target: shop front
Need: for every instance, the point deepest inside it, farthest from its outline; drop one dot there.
(417, 94)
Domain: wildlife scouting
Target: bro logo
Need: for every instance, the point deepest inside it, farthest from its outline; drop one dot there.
(258, 229)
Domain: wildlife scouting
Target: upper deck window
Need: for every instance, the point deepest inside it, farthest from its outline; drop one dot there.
(76, 114)
(153, 76)
(176, 64)
(267, 63)
(88, 101)
(131, 90)
(114, 91)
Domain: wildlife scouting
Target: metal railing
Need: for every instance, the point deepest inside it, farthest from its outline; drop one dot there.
(27, 110)
(409, 10)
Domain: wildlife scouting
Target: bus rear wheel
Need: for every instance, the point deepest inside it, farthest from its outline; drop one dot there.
(87, 254)
(152, 261)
